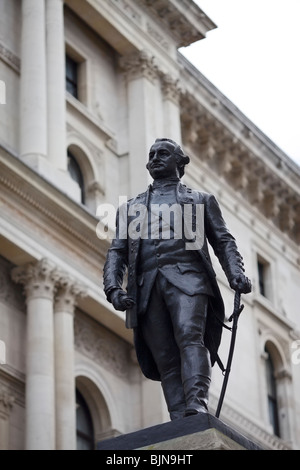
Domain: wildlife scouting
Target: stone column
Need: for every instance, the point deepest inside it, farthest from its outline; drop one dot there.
(65, 300)
(144, 111)
(39, 281)
(33, 94)
(171, 97)
(57, 153)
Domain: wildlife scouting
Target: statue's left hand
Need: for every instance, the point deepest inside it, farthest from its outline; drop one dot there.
(241, 284)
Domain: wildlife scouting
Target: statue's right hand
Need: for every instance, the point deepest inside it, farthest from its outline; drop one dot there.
(120, 300)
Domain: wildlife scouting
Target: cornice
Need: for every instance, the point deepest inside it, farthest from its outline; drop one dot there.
(11, 59)
(266, 178)
(250, 130)
(184, 19)
(66, 215)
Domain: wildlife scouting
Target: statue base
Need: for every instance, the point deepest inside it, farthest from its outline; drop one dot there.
(198, 432)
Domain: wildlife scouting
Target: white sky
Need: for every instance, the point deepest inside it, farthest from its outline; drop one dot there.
(253, 58)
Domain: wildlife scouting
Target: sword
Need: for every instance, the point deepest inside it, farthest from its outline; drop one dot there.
(235, 316)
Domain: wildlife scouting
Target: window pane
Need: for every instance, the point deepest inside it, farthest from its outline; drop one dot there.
(84, 424)
(261, 277)
(72, 76)
(76, 174)
(272, 394)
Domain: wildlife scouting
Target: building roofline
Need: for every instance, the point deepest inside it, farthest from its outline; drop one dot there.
(232, 108)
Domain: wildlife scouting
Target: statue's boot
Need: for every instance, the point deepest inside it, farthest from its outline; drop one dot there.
(196, 377)
(174, 394)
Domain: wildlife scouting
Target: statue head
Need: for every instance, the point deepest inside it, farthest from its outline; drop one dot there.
(166, 159)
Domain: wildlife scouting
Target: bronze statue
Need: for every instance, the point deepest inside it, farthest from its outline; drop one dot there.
(172, 300)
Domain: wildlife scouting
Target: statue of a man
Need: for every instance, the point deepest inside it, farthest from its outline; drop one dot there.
(172, 300)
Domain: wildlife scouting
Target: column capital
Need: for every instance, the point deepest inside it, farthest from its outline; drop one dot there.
(39, 278)
(170, 88)
(67, 294)
(139, 64)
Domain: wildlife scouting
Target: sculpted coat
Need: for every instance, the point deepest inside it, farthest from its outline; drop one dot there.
(124, 255)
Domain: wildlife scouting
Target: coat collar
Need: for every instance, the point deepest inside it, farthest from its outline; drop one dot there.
(184, 195)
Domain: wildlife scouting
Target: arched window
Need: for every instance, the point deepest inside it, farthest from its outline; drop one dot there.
(272, 394)
(76, 173)
(84, 425)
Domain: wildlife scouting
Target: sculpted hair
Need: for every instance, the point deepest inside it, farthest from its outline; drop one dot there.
(181, 158)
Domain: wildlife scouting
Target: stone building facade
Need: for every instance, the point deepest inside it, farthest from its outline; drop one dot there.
(89, 85)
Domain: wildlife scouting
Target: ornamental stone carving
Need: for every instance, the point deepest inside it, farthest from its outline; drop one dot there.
(67, 294)
(39, 278)
(42, 279)
(103, 347)
(129, 10)
(9, 58)
(9, 294)
(6, 402)
(139, 65)
(170, 88)
(260, 178)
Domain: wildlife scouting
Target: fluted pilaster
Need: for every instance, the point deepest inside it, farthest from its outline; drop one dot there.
(144, 119)
(171, 97)
(56, 104)
(33, 94)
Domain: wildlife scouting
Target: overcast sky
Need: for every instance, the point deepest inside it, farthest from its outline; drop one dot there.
(253, 58)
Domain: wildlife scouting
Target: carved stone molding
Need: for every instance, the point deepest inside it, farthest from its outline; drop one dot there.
(10, 58)
(249, 428)
(129, 10)
(174, 17)
(170, 88)
(95, 189)
(35, 200)
(6, 402)
(67, 294)
(261, 182)
(139, 65)
(100, 345)
(157, 35)
(9, 293)
(39, 279)
(43, 279)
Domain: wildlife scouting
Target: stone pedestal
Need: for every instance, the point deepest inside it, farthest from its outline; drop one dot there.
(198, 432)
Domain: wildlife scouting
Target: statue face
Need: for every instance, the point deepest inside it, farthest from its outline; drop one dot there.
(162, 161)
